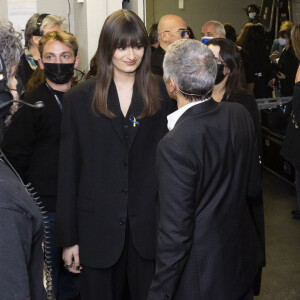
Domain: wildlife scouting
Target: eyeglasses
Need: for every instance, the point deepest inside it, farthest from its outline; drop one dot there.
(182, 32)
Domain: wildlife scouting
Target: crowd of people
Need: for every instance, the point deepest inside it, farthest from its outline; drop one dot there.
(147, 174)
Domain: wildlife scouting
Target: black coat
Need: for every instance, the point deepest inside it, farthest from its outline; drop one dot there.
(249, 102)
(288, 64)
(31, 143)
(209, 182)
(22, 233)
(106, 177)
(291, 145)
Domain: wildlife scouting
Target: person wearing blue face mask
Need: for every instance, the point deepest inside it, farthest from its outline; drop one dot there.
(212, 29)
(32, 140)
(278, 44)
(286, 69)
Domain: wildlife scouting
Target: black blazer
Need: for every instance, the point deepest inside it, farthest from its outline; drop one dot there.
(291, 145)
(209, 180)
(106, 176)
(249, 102)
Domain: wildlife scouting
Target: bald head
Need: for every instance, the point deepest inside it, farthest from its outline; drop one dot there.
(170, 29)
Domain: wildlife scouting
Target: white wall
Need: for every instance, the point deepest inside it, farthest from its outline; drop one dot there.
(85, 20)
(61, 8)
(3, 10)
(138, 6)
(88, 21)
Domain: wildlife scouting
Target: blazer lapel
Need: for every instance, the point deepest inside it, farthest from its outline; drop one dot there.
(134, 111)
(114, 106)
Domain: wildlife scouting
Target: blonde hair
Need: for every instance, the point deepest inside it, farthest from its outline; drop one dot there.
(243, 35)
(66, 38)
(295, 37)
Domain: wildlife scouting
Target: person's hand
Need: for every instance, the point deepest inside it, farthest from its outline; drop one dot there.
(280, 75)
(70, 257)
(271, 82)
(274, 56)
(297, 79)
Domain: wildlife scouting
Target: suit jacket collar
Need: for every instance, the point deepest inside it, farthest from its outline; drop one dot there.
(135, 109)
(201, 108)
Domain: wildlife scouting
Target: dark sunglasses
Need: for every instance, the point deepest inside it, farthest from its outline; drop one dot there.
(184, 32)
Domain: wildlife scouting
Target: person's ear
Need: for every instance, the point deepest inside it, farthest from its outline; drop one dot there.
(36, 39)
(163, 36)
(173, 86)
(41, 65)
(76, 62)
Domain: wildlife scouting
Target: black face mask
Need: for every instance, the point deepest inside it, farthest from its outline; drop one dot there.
(220, 73)
(59, 73)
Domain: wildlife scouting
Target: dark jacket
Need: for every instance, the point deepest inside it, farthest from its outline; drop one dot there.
(288, 64)
(209, 180)
(31, 143)
(249, 102)
(106, 176)
(22, 233)
(157, 58)
(24, 70)
(291, 145)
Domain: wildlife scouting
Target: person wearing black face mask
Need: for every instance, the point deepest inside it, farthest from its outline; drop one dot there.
(220, 72)
(230, 86)
(31, 142)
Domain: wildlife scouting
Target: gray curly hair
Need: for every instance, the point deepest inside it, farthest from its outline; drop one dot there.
(11, 47)
(193, 67)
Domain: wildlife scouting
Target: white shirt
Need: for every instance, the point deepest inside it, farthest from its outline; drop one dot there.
(173, 117)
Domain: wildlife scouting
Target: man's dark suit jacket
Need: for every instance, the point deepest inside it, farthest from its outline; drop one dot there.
(107, 177)
(209, 180)
(157, 58)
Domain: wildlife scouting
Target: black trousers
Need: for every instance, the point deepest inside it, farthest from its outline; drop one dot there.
(128, 279)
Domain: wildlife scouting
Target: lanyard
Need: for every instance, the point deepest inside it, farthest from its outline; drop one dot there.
(55, 96)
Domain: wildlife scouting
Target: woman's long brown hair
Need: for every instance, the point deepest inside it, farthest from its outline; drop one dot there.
(124, 28)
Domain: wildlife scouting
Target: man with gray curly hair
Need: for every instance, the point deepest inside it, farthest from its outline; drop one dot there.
(208, 172)
(36, 27)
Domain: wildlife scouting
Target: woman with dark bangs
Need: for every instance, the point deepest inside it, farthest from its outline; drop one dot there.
(111, 126)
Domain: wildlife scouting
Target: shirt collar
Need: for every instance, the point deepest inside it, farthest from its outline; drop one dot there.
(32, 61)
(174, 117)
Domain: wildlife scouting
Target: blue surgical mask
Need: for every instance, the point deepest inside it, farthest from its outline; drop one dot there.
(252, 15)
(205, 39)
(282, 41)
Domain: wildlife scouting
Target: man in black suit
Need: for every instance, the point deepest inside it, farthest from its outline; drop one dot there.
(209, 182)
(170, 29)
